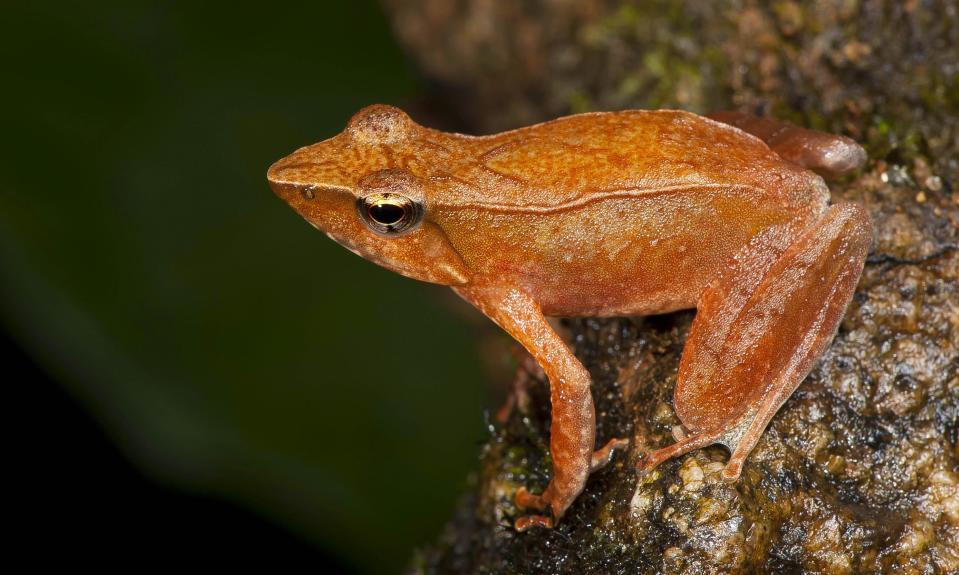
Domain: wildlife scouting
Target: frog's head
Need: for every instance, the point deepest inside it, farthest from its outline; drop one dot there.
(352, 188)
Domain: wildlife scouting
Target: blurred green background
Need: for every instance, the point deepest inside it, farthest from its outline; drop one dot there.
(226, 347)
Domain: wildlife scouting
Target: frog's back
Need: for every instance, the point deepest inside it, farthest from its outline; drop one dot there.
(587, 157)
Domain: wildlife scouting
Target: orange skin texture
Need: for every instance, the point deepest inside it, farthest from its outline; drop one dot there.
(612, 214)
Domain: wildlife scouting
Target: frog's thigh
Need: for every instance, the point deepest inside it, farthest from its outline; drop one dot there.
(758, 331)
(829, 154)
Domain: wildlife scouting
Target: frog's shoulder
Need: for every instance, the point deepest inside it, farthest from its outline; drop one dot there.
(595, 155)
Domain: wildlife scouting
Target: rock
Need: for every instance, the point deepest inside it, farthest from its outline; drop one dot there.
(859, 471)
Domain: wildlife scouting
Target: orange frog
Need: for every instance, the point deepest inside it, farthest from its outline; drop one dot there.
(611, 214)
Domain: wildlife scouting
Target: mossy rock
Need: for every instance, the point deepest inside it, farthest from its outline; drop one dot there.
(859, 471)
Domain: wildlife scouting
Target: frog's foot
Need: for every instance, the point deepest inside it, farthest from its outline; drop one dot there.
(681, 447)
(524, 523)
(739, 439)
(526, 500)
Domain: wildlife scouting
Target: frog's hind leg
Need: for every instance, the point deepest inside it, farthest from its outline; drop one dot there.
(829, 154)
(759, 328)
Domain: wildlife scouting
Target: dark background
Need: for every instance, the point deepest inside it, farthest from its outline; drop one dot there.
(194, 374)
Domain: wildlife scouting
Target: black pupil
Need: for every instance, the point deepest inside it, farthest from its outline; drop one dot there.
(387, 213)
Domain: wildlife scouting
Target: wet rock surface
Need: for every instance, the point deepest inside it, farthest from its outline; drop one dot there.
(859, 471)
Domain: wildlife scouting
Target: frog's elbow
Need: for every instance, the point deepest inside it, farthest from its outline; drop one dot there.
(458, 276)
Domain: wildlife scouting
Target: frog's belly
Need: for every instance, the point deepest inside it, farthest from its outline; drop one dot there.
(624, 275)
(623, 256)
(657, 282)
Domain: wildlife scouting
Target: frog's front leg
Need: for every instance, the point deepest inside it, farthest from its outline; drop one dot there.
(759, 328)
(573, 424)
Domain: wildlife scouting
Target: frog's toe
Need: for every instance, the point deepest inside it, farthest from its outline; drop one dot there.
(684, 445)
(733, 468)
(602, 456)
(526, 500)
(524, 523)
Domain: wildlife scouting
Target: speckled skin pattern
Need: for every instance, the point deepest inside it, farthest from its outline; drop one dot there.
(614, 214)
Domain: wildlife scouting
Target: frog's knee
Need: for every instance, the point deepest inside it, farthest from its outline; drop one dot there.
(837, 155)
(829, 154)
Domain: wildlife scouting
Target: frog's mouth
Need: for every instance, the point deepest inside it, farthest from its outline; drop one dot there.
(352, 247)
(375, 258)
(424, 254)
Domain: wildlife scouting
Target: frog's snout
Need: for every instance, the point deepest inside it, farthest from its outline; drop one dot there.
(281, 174)
(286, 191)
(286, 180)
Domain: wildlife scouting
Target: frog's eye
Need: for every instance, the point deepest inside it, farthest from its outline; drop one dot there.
(388, 213)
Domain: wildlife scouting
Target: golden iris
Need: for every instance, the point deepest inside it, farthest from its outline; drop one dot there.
(388, 213)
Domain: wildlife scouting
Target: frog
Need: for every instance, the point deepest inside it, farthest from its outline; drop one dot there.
(611, 214)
